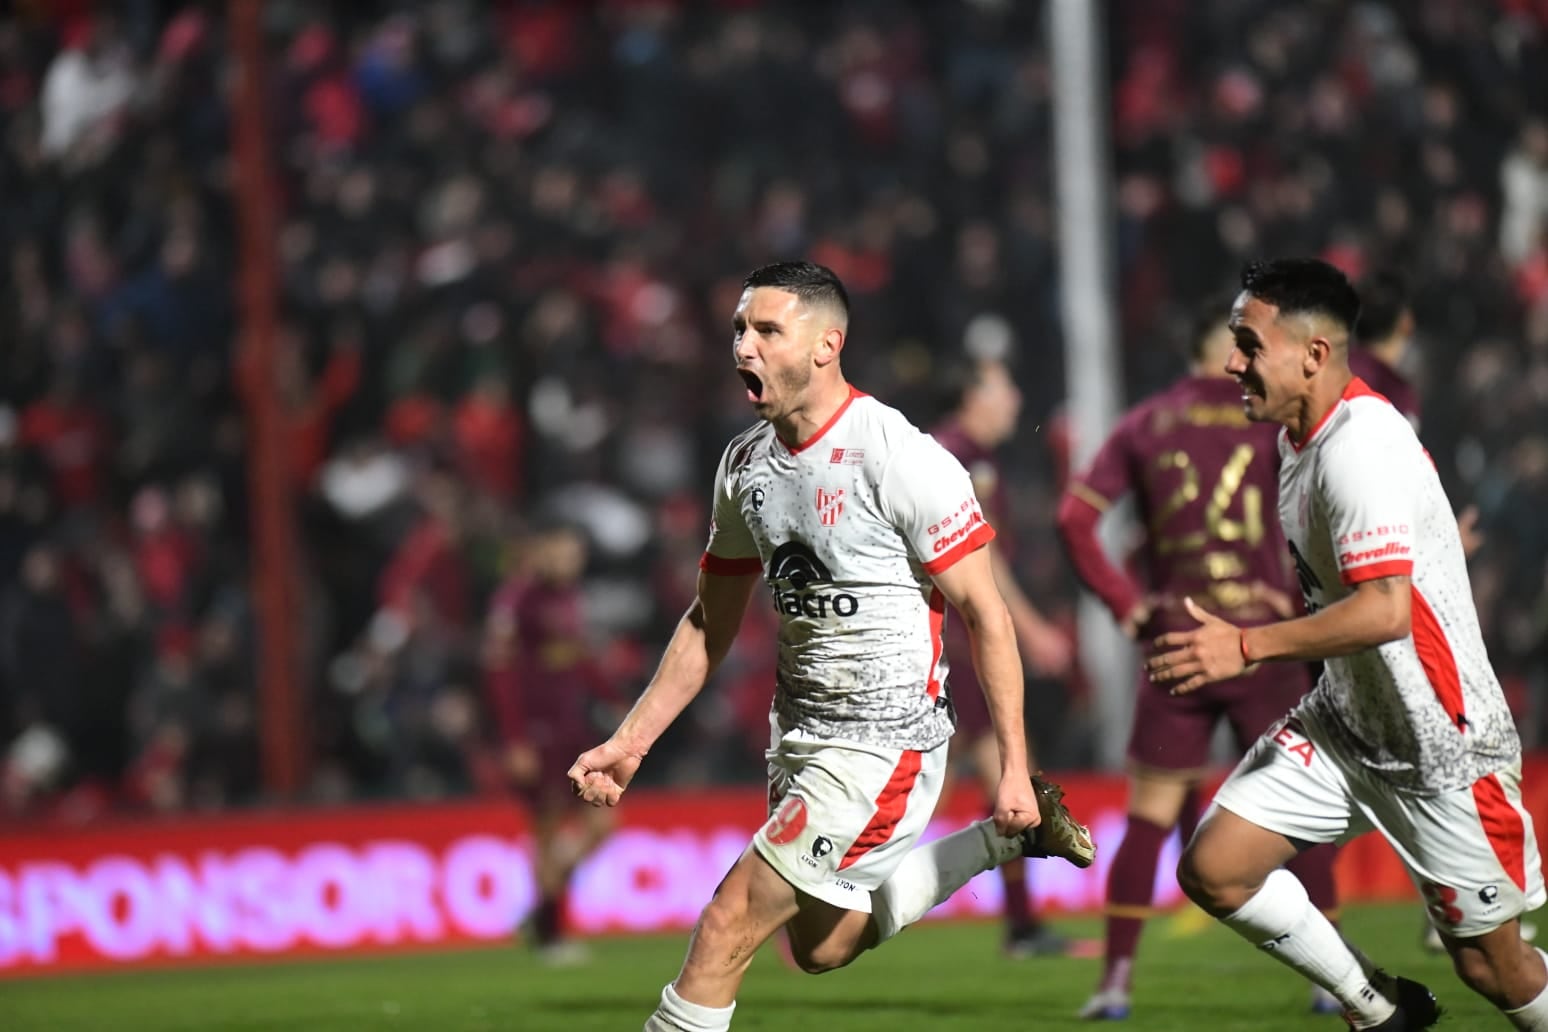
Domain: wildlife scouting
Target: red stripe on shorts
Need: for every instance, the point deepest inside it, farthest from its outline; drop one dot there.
(1440, 666)
(889, 808)
(1501, 822)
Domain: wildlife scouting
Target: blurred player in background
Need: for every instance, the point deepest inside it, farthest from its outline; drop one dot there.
(543, 688)
(1407, 731)
(982, 405)
(863, 529)
(1203, 478)
(1382, 339)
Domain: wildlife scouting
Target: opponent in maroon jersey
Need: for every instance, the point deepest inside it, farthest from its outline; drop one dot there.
(1204, 481)
(982, 404)
(542, 683)
(1382, 338)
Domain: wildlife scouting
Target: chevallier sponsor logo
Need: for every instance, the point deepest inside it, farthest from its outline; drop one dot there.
(941, 544)
(1387, 551)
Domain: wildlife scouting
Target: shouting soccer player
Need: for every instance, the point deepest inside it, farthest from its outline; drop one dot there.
(1407, 732)
(863, 530)
(1203, 479)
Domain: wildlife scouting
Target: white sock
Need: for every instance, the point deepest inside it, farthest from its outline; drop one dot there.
(932, 872)
(1534, 1016)
(676, 1014)
(1367, 965)
(1281, 921)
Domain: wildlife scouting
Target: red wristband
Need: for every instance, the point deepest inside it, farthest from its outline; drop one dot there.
(1242, 637)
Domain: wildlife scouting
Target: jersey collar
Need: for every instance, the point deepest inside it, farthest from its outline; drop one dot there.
(1356, 388)
(796, 449)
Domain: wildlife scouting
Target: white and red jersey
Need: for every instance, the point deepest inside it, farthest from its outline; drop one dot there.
(848, 530)
(1360, 499)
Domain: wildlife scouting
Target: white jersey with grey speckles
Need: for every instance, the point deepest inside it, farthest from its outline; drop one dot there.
(848, 530)
(1360, 501)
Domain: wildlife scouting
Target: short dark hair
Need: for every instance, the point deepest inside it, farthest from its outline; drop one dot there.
(953, 382)
(1213, 311)
(814, 284)
(1384, 297)
(1304, 286)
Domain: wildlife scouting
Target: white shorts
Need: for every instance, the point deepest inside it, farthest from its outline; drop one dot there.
(1472, 852)
(843, 815)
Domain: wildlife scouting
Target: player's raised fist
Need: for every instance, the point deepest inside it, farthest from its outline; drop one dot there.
(599, 776)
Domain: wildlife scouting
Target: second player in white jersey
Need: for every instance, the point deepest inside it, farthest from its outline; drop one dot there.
(1407, 733)
(848, 530)
(1360, 499)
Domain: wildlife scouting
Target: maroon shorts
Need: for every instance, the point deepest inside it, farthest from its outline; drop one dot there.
(967, 697)
(1174, 732)
(557, 748)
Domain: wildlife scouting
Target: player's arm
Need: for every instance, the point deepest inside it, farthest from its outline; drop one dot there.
(1378, 611)
(701, 641)
(699, 644)
(1047, 648)
(1080, 513)
(500, 654)
(969, 585)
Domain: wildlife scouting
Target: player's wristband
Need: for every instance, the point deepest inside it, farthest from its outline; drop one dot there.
(1242, 638)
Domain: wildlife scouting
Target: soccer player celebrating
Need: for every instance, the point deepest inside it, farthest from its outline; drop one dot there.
(1203, 478)
(864, 529)
(982, 405)
(1407, 732)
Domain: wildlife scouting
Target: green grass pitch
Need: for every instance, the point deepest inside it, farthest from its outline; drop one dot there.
(1191, 975)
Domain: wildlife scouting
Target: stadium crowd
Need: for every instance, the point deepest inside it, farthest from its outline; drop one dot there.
(511, 236)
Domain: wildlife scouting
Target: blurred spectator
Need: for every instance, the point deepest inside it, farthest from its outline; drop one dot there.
(87, 90)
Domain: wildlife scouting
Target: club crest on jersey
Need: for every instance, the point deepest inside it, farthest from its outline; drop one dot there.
(830, 506)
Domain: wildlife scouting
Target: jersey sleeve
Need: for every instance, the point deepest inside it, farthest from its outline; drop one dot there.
(1107, 479)
(1080, 509)
(731, 550)
(929, 498)
(1369, 492)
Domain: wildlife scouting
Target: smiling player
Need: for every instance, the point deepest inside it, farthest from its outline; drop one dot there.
(1407, 732)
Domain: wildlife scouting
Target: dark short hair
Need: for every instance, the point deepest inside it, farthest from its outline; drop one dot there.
(1213, 311)
(1304, 286)
(954, 380)
(1384, 297)
(814, 284)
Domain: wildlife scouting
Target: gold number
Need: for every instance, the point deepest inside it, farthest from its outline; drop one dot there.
(1187, 491)
(1217, 527)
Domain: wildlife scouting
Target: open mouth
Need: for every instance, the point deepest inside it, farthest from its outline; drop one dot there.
(753, 383)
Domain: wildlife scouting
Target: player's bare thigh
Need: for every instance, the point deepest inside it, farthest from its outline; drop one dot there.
(824, 937)
(751, 903)
(1228, 861)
